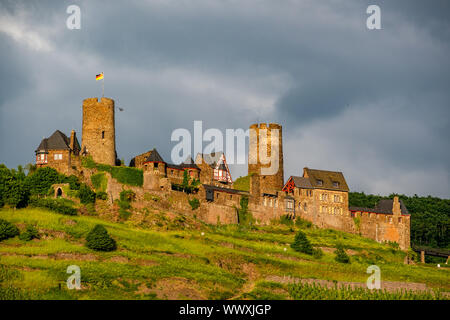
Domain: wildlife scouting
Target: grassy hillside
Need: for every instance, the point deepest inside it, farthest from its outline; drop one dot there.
(181, 258)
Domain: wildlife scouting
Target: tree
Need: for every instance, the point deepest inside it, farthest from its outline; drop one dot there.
(7, 230)
(98, 239)
(40, 182)
(86, 194)
(301, 243)
(341, 256)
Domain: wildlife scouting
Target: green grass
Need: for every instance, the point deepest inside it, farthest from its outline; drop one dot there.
(216, 262)
(242, 183)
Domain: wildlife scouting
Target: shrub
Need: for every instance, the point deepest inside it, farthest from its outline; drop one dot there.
(40, 182)
(86, 194)
(29, 234)
(102, 195)
(98, 239)
(129, 176)
(341, 256)
(87, 162)
(74, 183)
(7, 230)
(302, 244)
(245, 216)
(126, 197)
(317, 253)
(99, 181)
(195, 203)
(284, 219)
(62, 206)
(302, 223)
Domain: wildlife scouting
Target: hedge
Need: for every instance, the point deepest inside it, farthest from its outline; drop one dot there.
(125, 175)
(62, 206)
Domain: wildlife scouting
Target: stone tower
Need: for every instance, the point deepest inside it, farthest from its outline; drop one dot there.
(99, 134)
(266, 136)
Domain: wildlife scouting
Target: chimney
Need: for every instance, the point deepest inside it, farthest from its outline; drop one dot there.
(396, 210)
(72, 140)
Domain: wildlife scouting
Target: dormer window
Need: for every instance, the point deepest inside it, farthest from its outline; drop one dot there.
(335, 184)
(319, 182)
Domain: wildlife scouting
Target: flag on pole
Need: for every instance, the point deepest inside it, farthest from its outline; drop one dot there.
(99, 76)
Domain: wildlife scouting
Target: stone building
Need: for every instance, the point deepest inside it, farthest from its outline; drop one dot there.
(59, 152)
(388, 221)
(319, 196)
(214, 169)
(160, 175)
(99, 133)
(267, 140)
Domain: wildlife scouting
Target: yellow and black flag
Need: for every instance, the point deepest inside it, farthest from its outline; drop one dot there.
(99, 76)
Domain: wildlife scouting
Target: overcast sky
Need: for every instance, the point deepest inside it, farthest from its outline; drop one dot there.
(373, 104)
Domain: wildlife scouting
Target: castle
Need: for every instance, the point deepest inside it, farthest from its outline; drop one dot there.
(318, 196)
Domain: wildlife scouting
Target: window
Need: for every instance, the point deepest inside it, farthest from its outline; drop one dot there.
(103, 134)
(58, 156)
(319, 182)
(337, 198)
(305, 207)
(265, 201)
(270, 202)
(324, 196)
(335, 184)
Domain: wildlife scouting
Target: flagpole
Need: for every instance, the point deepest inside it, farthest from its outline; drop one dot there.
(103, 85)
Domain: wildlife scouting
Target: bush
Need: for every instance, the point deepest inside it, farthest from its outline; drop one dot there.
(29, 234)
(40, 182)
(302, 244)
(245, 216)
(302, 223)
(195, 203)
(7, 230)
(86, 194)
(74, 183)
(62, 206)
(98, 239)
(341, 256)
(317, 253)
(284, 219)
(99, 181)
(102, 195)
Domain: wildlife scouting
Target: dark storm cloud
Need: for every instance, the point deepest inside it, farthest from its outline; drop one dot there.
(311, 65)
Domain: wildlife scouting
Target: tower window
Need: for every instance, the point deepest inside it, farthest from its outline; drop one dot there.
(103, 134)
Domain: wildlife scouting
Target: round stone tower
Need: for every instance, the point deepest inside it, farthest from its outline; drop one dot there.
(271, 174)
(99, 133)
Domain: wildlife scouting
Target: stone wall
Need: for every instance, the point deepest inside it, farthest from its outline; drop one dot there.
(98, 136)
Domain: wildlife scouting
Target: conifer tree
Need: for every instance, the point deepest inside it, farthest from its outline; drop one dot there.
(99, 239)
(301, 243)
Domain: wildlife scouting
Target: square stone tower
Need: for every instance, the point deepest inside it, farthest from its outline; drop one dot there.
(266, 139)
(99, 133)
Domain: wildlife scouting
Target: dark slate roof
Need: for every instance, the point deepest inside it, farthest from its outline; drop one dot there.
(328, 178)
(229, 190)
(57, 141)
(301, 182)
(154, 157)
(383, 206)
